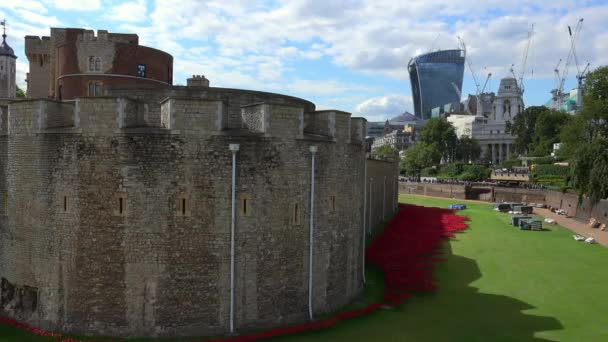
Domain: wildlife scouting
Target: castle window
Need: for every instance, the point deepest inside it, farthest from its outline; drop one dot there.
(183, 205)
(141, 70)
(245, 208)
(65, 205)
(333, 203)
(95, 88)
(94, 63)
(296, 214)
(120, 204)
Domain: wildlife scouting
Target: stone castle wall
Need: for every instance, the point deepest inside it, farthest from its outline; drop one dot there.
(117, 212)
(382, 181)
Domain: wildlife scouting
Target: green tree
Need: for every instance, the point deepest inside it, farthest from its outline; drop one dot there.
(386, 152)
(549, 124)
(474, 173)
(523, 127)
(418, 157)
(20, 93)
(468, 149)
(585, 140)
(442, 135)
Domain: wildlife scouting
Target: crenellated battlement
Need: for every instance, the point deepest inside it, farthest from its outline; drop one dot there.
(358, 129)
(329, 123)
(111, 115)
(35, 45)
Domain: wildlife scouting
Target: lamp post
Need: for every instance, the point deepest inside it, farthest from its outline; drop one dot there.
(364, 213)
(371, 181)
(313, 151)
(234, 148)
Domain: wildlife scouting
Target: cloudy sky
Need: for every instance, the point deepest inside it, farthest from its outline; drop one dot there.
(349, 55)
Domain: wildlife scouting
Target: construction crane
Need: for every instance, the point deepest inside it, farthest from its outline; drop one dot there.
(457, 90)
(479, 89)
(486, 82)
(522, 72)
(469, 64)
(558, 93)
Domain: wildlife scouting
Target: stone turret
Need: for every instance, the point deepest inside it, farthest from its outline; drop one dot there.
(7, 69)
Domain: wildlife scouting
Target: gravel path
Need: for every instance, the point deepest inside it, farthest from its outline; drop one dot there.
(576, 226)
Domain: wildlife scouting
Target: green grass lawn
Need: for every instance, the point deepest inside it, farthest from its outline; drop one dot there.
(497, 284)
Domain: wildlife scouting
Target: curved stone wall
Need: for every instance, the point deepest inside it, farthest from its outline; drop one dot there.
(117, 216)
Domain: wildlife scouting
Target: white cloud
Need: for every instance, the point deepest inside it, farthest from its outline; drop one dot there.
(132, 11)
(36, 18)
(30, 5)
(383, 107)
(323, 87)
(75, 5)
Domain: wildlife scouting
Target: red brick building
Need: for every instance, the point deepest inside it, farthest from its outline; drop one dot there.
(76, 62)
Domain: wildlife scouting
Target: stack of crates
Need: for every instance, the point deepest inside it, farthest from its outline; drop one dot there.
(530, 224)
(536, 225)
(525, 224)
(502, 207)
(516, 219)
(524, 209)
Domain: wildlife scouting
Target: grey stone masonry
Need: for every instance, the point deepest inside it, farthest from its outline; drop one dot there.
(115, 212)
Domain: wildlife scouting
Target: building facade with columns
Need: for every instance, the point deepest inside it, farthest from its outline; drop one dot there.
(490, 129)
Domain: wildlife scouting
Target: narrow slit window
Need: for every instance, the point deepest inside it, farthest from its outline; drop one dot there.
(183, 205)
(333, 203)
(120, 206)
(244, 203)
(65, 204)
(296, 214)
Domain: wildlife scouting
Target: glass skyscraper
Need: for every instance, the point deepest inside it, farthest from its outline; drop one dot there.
(436, 79)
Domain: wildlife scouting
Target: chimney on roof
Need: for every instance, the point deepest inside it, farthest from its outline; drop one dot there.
(197, 81)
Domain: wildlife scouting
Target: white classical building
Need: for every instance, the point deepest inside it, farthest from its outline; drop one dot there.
(489, 128)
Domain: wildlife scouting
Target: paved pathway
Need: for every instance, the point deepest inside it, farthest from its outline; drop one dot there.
(574, 225)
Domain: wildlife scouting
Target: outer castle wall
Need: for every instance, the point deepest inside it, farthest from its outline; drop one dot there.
(555, 199)
(116, 211)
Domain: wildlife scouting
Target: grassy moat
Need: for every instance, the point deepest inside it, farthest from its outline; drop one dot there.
(497, 283)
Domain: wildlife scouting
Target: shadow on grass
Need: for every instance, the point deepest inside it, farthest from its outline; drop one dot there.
(457, 311)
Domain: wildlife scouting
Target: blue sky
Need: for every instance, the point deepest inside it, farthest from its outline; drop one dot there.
(347, 55)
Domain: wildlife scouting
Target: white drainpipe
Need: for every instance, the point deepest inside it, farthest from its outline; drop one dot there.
(313, 150)
(234, 148)
(395, 192)
(364, 212)
(371, 181)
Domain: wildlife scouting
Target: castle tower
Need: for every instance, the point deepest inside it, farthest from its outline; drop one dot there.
(7, 68)
(508, 102)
